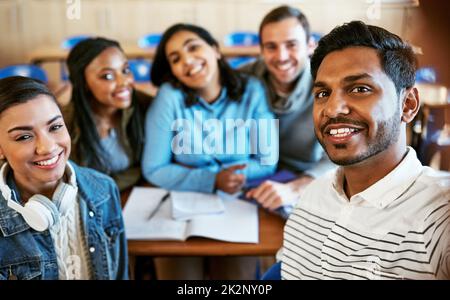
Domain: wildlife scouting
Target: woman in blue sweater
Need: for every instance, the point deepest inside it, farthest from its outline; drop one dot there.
(210, 127)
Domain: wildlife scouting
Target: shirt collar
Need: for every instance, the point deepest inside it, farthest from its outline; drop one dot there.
(390, 187)
(211, 106)
(299, 99)
(304, 82)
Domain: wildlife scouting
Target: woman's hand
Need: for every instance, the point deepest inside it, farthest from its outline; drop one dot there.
(228, 181)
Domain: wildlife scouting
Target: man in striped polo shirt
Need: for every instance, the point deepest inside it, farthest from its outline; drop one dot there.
(381, 214)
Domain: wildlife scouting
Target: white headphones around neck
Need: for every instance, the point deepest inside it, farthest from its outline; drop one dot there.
(40, 212)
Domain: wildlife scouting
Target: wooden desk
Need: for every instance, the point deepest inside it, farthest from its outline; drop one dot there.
(270, 240)
(56, 54)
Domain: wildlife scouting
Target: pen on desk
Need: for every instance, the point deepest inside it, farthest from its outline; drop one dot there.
(164, 198)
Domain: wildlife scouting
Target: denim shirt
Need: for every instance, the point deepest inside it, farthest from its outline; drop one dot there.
(29, 254)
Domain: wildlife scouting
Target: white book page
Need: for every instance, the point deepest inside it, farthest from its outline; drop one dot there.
(138, 226)
(188, 205)
(239, 223)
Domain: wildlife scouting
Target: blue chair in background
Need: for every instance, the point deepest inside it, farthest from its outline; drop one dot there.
(150, 40)
(241, 38)
(25, 70)
(426, 75)
(141, 70)
(273, 273)
(316, 36)
(239, 61)
(71, 41)
(314, 39)
(68, 44)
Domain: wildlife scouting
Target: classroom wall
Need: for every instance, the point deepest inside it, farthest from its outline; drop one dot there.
(28, 24)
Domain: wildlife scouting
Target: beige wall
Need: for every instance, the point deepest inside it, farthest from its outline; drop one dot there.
(27, 24)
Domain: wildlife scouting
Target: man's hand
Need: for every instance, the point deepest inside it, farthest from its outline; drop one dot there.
(228, 181)
(272, 195)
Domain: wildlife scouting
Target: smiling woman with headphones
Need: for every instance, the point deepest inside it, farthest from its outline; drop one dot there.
(57, 220)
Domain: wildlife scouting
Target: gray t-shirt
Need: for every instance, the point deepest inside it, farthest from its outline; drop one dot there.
(116, 155)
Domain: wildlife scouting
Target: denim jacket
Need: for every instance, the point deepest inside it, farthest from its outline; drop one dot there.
(28, 254)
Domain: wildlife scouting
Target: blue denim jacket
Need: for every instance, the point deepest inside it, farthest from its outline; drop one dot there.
(28, 254)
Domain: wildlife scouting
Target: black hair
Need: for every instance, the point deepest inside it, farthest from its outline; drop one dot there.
(89, 147)
(285, 12)
(17, 90)
(396, 56)
(233, 80)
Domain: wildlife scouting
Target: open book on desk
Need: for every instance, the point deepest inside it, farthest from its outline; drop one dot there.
(238, 223)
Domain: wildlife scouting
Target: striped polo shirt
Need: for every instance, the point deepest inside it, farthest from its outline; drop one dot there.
(398, 228)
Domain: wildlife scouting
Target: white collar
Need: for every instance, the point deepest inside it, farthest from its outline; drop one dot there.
(390, 187)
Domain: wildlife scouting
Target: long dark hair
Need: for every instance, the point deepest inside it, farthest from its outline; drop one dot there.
(89, 147)
(161, 72)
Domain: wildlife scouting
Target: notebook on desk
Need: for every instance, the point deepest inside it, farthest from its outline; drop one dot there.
(237, 223)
